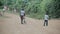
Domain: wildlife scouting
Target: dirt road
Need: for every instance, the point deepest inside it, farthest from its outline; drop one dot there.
(11, 25)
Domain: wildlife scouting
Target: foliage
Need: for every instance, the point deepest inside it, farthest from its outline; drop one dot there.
(36, 8)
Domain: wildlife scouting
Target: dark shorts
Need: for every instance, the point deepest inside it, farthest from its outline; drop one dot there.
(21, 17)
(46, 20)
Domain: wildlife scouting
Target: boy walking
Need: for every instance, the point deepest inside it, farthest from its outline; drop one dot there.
(22, 15)
(46, 19)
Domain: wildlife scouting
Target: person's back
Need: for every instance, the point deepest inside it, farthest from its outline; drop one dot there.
(46, 17)
(22, 13)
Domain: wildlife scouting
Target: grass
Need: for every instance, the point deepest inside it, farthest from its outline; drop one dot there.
(36, 16)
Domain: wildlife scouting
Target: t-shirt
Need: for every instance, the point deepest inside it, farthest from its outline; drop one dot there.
(22, 13)
(3, 9)
(46, 17)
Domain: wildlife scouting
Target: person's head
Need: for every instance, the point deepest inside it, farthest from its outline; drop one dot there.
(46, 13)
(22, 9)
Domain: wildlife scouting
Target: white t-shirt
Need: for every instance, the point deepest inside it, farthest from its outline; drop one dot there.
(22, 12)
(4, 9)
(46, 17)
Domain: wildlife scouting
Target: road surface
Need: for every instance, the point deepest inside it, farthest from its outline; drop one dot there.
(11, 25)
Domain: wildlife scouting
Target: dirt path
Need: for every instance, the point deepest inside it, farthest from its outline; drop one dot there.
(11, 25)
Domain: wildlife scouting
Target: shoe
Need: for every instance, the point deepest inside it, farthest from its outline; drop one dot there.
(21, 23)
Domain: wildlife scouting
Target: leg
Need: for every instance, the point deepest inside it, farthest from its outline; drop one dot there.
(47, 23)
(21, 20)
(44, 23)
(3, 12)
(0, 14)
(24, 20)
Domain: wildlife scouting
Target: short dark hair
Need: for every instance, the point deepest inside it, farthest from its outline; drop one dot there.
(22, 9)
(47, 12)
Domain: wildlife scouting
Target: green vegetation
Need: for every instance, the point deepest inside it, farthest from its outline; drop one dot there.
(35, 8)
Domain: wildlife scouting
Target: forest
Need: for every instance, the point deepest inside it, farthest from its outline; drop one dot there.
(34, 8)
